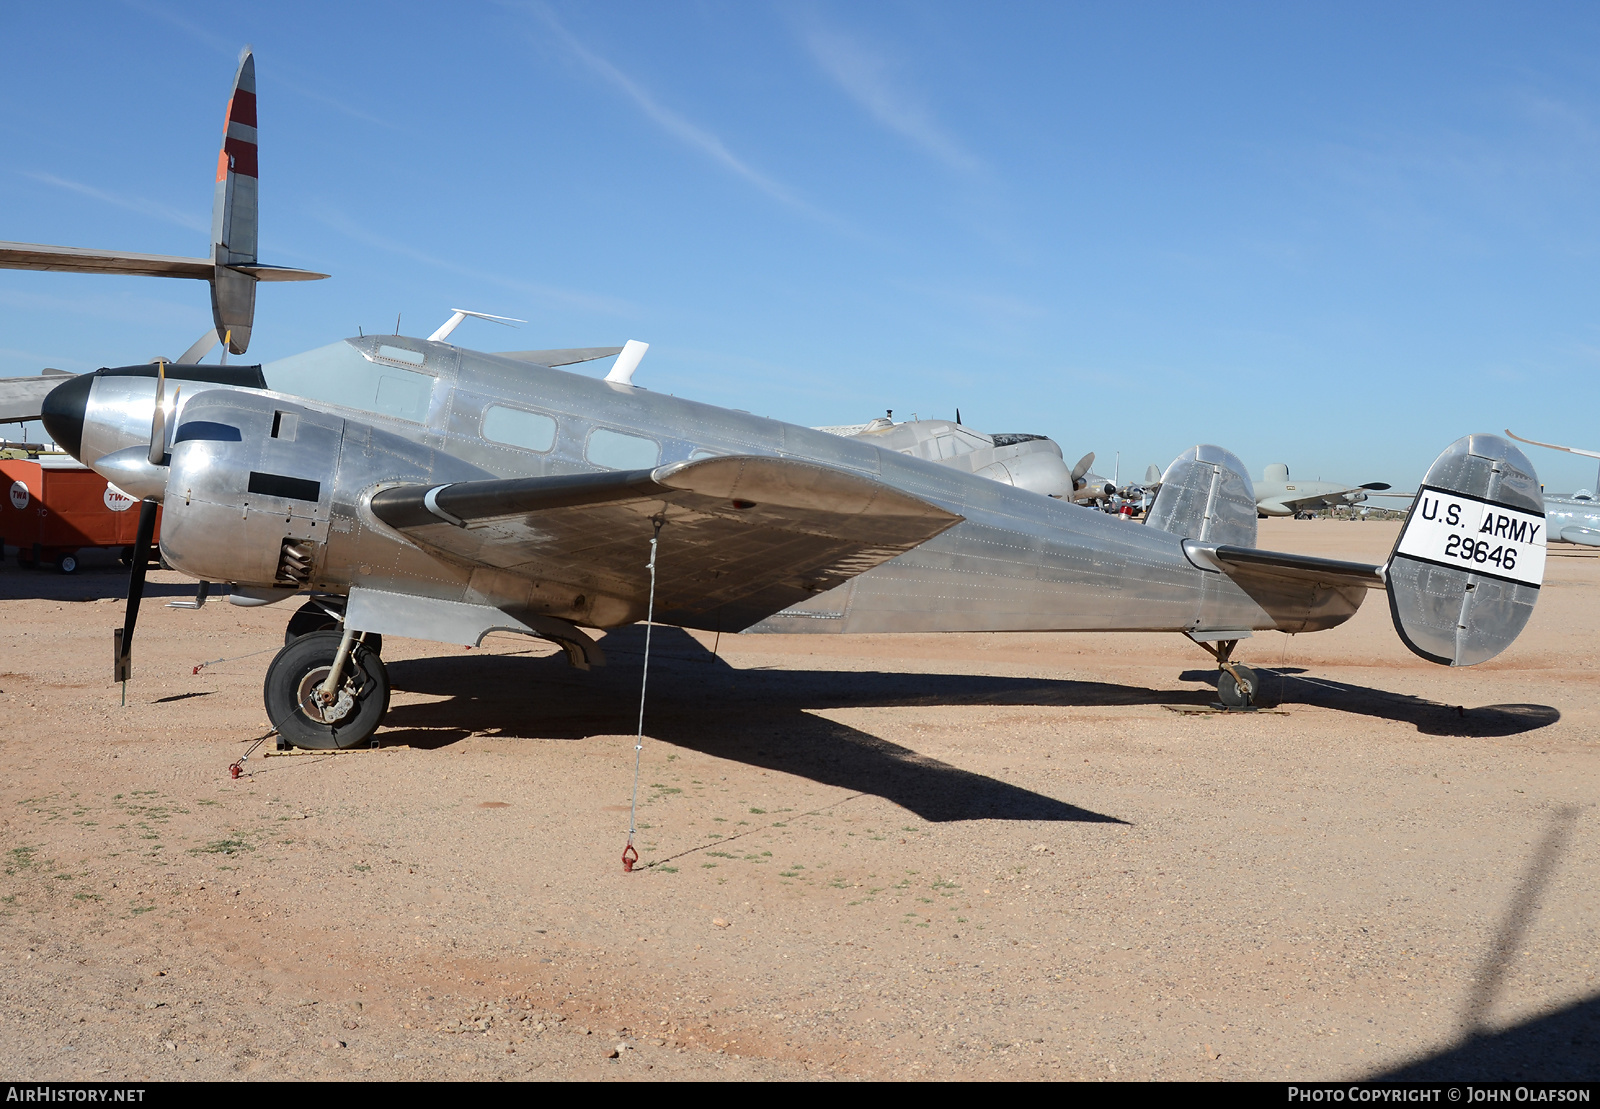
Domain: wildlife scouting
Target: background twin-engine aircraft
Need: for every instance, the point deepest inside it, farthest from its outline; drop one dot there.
(1573, 517)
(1277, 495)
(408, 486)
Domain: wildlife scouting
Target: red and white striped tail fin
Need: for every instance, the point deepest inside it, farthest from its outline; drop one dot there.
(235, 212)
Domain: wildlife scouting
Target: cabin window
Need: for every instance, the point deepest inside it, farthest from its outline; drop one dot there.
(340, 374)
(532, 431)
(616, 450)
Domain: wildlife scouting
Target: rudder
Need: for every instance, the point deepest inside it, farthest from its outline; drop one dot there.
(1206, 495)
(1465, 572)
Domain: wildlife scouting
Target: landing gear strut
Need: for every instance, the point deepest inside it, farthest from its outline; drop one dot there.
(1238, 686)
(324, 615)
(310, 710)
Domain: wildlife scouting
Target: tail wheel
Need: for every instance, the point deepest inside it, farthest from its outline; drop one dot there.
(293, 693)
(314, 617)
(1235, 695)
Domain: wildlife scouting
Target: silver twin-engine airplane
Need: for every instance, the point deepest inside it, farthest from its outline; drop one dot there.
(405, 486)
(1572, 517)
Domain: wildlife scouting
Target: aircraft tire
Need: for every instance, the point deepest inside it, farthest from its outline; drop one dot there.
(1232, 694)
(300, 668)
(311, 617)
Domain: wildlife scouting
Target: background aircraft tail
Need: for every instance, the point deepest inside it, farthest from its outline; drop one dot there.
(235, 214)
(232, 270)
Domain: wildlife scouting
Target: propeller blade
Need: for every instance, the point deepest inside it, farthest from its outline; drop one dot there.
(1082, 467)
(141, 562)
(202, 347)
(158, 422)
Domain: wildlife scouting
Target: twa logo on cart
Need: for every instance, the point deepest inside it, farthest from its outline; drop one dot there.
(116, 500)
(1465, 533)
(19, 495)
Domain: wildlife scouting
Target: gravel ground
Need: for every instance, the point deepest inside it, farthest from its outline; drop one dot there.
(968, 856)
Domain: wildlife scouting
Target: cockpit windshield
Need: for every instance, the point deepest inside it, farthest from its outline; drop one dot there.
(386, 378)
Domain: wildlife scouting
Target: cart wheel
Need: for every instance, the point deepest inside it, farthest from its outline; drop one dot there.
(24, 558)
(67, 564)
(125, 556)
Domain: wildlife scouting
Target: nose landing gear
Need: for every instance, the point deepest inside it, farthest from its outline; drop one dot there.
(308, 712)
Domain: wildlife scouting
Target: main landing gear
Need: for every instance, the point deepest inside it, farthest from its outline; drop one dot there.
(324, 614)
(1238, 686)
(326, 690)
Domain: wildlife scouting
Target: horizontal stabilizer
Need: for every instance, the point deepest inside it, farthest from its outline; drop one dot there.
(279, 273)
(742, 537)
(22, 398)
(75, 259)
(1301, 593)
(1307, 568)
(560, 357)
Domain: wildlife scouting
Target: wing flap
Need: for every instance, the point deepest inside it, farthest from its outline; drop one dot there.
(741, 537)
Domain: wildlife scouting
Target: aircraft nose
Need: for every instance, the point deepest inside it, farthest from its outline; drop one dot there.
(63, 411)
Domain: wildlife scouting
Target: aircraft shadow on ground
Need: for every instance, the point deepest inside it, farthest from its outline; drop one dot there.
(92, 583)
(1563, 1046)
(769, 718)
(1559, 1046)
(758, 717)
(1290, 685)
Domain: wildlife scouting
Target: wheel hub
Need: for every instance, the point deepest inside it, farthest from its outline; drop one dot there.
(309, 697)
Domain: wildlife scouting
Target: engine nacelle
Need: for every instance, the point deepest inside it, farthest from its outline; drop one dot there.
(266, 492)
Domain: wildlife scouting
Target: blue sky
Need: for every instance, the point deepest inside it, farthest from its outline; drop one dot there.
(1334, 235)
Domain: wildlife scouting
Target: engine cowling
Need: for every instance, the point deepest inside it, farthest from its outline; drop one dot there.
(266, 492)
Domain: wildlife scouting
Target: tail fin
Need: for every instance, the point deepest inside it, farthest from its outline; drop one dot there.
(235, 214)
(232, 270)
(1206, 495)
(1466, 570)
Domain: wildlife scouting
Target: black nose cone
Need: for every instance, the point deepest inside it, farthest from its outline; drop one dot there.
(63, 412)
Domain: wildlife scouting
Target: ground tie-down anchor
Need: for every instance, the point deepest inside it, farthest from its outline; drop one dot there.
(236, 767)
(629, 854)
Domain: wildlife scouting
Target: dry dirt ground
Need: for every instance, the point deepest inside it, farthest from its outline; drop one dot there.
(971, 856)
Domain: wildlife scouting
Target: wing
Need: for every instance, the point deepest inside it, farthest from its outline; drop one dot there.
(1553, 446)
(741, 537)
(554, 358)
(1313, 501)
(22, 398)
